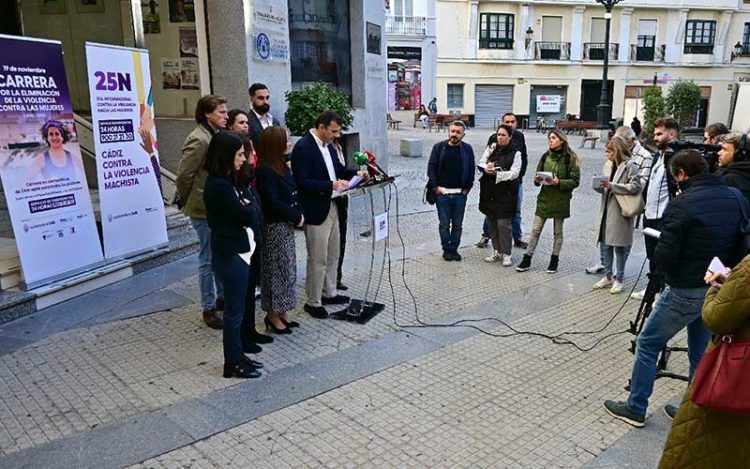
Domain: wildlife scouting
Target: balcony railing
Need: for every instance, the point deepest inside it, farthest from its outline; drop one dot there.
(405, 25)
(595, 51)
(552, 51)
(647, 54)
(698, 49)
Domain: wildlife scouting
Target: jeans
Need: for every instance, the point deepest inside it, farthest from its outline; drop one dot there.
(650, 241)
(516, 221)
(608, 253)
(450, 209)
(675, 309)
(239, 305)
(206, 278)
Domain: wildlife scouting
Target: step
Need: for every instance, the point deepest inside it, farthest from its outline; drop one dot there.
(15, 303)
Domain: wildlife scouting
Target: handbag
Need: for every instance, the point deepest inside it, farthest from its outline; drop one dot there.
(429, 195)
(722, 378)
(631, 205)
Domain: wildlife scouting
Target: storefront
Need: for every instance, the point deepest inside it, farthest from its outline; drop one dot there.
(404, 78)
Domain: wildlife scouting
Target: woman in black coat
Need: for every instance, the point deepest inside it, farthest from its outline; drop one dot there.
(233, 217)
(498, 192)
(282, 213)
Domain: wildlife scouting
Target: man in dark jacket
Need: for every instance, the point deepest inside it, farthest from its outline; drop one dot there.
(450, 174)
(702, 222)
(259, 118)
(519, 143)
(318, 172)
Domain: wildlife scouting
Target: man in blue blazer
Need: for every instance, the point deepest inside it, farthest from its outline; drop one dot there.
(259, 118)
(318, 172)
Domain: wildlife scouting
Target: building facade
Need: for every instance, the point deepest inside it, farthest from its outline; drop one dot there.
(543, 59)
(412, 53)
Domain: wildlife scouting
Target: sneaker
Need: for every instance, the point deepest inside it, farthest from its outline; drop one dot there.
(456, 256)
(520, 244)
(602, 284)
(670, 411)
(494, 257)
(620, 410)
(484, 241)
(525, 264)
(507, 260)
(639, 295)
(553, 262)
(594, 269)
(617, 287)
(447, 256)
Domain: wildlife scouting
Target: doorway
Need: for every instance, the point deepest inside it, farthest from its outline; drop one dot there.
(591, 91)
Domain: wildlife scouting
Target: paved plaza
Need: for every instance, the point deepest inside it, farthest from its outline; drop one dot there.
(129, 376)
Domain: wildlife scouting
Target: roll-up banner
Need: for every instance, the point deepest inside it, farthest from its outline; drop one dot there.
(127, 152)
(40, 164)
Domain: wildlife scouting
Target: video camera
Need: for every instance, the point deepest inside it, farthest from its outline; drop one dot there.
(709, 152)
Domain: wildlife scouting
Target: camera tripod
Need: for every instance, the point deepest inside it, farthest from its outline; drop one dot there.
(655, 285)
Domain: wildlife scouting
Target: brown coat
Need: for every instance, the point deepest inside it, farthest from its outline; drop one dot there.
(191, 177)
(702, 438)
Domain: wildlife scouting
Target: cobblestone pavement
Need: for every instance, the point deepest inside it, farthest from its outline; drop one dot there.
(482, 401)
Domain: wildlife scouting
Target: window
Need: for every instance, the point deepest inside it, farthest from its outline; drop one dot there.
(455, 96)
(699, 37)
(320, 44)
(495, 31)
(746, 39)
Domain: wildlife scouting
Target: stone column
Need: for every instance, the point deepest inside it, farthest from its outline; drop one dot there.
(576, 34)
(675, 35)
(472, 43)
(521, 52)
(227, 45)
(722, 32)
(626, 19)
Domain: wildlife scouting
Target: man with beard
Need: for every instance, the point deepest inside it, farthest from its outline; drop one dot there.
(259, 117)
(660, 189)
(451, 175)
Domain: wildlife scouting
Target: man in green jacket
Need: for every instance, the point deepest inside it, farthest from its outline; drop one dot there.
(210, 115)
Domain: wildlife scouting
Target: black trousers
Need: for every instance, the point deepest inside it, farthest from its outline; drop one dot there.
(239, 304)
(342, 205)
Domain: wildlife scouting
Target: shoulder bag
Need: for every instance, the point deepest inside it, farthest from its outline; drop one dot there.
(722, 378)
(631, 205)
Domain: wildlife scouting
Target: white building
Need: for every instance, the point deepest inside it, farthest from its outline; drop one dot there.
(544, 58)
(412, 53)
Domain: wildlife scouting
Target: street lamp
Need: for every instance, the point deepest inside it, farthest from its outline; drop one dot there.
(529, 37)
(604, 110)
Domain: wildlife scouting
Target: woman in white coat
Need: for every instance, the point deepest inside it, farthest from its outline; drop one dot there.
(615, 235)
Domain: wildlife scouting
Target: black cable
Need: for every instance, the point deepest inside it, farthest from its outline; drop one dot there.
(556, 339)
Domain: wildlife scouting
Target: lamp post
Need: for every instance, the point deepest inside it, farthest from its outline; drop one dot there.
(604, 110)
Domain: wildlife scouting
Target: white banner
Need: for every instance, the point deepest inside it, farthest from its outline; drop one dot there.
(548, 103)
(40, 163)
(127, 155)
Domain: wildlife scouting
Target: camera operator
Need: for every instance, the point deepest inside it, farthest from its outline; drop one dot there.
(734, 166)
(712, 133)
(660, 188)
(706, 209)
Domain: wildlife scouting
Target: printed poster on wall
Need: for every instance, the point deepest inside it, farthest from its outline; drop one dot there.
(40, 163)
(127, 152)
(548, 103)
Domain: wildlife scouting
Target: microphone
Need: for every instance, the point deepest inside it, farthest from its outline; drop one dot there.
(367, 158)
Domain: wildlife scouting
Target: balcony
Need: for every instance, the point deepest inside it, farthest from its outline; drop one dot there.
(552, 51)
(698, 49)
(595, 51)
(405, 25)
(647, 54)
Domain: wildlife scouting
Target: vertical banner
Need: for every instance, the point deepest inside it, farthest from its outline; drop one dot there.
(127, 152)
(40, 163)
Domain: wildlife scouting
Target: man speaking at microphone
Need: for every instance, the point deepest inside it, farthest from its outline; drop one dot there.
(318, 173)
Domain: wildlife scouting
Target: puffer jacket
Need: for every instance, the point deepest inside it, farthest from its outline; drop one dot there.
(738, 175)
(702, 438)
(554, 201)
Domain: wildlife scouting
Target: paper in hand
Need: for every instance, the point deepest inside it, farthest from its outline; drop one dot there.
(596, 181)
(545, 177)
